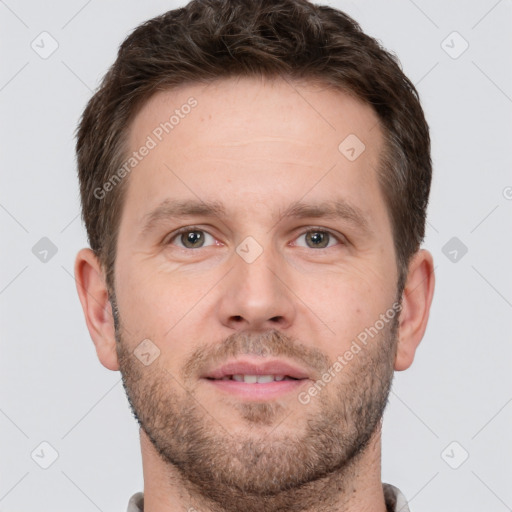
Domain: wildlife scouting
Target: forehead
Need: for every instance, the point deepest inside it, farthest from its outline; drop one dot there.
(274, 141)
(314, 115)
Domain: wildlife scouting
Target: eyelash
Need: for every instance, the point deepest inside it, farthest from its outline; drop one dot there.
(189, 229)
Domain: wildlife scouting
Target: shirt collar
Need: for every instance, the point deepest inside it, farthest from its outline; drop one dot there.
(395, 500)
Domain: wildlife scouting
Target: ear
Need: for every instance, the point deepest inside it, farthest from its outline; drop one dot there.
(93, 294)
(416, 301)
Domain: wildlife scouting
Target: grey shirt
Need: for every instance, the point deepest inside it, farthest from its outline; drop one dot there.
(395, 500)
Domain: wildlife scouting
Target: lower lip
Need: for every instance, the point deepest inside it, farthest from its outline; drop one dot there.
(257, 391)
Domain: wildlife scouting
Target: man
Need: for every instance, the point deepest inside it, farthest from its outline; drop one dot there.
(254, 181)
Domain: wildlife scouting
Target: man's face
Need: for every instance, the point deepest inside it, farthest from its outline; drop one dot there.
(260, 281)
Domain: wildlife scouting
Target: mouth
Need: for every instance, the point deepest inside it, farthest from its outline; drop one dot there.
(253, 371)
(253, 380)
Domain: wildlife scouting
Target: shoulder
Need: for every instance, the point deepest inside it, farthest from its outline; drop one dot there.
(395, 500)
(136, 503)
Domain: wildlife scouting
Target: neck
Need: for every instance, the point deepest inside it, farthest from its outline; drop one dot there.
(357, 488)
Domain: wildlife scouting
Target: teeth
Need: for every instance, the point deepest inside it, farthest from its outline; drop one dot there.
(264, 378)
(261, 379)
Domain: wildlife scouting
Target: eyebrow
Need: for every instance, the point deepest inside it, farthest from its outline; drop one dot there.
(333, 209)
(175, 208)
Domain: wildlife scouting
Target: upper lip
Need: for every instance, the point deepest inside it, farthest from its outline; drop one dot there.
(246, 367)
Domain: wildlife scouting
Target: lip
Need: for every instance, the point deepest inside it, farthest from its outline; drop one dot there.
(255, 367)
(257, 391)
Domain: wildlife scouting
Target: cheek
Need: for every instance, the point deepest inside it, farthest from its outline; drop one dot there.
(162, 305)
(348, 301)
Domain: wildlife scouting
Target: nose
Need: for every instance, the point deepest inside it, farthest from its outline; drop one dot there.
(255, 296)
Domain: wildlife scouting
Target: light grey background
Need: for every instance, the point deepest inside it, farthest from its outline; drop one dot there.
(53, 388)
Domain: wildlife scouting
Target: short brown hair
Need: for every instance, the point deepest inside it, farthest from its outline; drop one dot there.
(212, 39)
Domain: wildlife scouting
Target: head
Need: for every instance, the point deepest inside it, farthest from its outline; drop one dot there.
(296, 153)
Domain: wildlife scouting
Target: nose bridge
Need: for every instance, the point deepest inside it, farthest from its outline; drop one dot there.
(254, 295)
(260, 281)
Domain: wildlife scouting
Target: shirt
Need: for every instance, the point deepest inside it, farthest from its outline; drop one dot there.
(395, 500)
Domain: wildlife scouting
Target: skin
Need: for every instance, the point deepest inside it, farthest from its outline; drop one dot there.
(257, 146)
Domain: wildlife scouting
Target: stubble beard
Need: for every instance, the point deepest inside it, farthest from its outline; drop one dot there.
(271, 468)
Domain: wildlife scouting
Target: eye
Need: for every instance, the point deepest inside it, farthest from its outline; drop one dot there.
(191, 238)
(318, 239)
(194, 238)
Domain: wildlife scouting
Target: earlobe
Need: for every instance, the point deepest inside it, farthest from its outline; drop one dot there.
(93, 294)
(416, 301)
